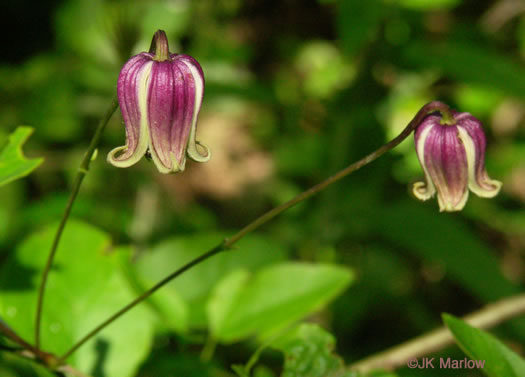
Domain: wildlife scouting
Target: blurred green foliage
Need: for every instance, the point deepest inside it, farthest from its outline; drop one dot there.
(13, 164)
(308, 352)
(295, 90)
(87, 285)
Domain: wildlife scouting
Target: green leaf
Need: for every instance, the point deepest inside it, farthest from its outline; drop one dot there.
(224, 297)
(481, 346)
(182, 302)
(85, 286)
(309, 352)
(13, 164)
(243, 305)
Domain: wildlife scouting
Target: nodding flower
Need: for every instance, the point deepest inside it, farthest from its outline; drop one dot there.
(451, 150)
(160, 96)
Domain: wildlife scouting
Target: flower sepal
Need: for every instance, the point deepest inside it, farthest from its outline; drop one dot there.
(451, 151)
(160, 96)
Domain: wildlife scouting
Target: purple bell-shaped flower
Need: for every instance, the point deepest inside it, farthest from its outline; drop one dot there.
(451, 150)
(160, 96)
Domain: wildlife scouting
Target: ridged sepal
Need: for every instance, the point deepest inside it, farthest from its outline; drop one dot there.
(453, 160)
(160, 101)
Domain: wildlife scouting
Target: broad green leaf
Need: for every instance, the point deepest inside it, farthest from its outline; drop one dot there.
(188, 294)
(480, 346)
(173, 311)
(85, 286)
(224, 298)
(309, 352)
(13, 163)
(244, 305)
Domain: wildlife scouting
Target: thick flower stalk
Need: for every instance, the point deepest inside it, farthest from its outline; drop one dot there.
(451, 150)
(160, 96)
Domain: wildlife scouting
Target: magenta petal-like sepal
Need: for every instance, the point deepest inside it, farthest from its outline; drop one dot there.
(452, 155)
(160, 96)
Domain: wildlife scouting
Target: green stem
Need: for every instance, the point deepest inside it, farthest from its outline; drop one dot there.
(229, 242)
(427, 109)
(82, 171)
(447, 118)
